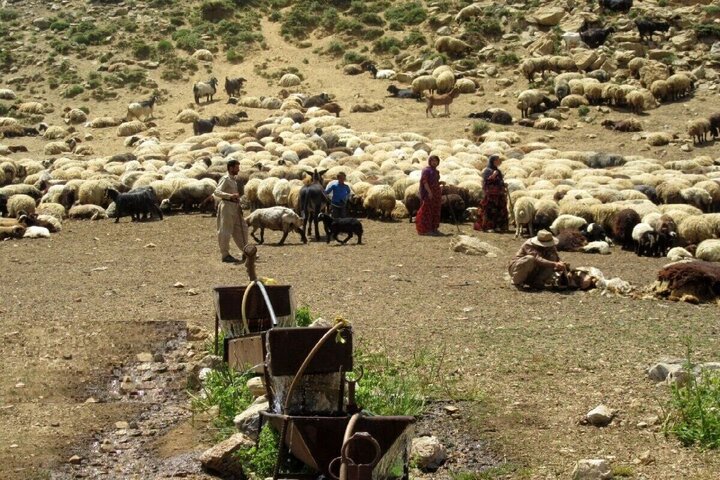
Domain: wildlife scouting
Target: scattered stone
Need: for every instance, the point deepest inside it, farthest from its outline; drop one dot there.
(19, 385)
(547, 16)
(660, 371)
(427, 453)
(150, 245)
(144, 357)
(122, 425)
(203, 55)
(75, 460)
(179, 285)
(594, 469)
(256, 386)
(196, 333)
(473, 246)
(221, 459)
(451, 409)
(248, 422)
(192, 292)
(600, 416)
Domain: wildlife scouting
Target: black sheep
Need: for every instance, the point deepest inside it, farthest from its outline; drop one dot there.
(715, 124)
(205, 126)
(452, 208)
(412, 204)
(335, 226)
(499, 116)
(616, 5)
(3, 205)
(594, 232)
(646, 27)
(134, 203)
(648, 245)
(402, 92)
(623, 225)
(649, 192)
(594, 37)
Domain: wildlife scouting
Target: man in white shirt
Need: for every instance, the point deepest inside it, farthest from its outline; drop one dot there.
(230, 221)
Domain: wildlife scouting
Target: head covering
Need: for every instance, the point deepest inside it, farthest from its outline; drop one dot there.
(433, 157)
(492, 168)
(544, 239)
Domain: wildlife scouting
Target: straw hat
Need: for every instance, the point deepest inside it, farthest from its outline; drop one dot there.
(544, 239)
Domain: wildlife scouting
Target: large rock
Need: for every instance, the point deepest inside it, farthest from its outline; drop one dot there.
(256, 386)
(427, 453)
(685, 41)
(203, 55)
(595, 469)
(544, 45)
(472, 246)
(248, 422)
(599, 416)
(221, 458)
(585, 59)
(660, 371)
(547, 16)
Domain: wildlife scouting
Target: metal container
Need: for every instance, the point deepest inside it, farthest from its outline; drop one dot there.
(228, 308)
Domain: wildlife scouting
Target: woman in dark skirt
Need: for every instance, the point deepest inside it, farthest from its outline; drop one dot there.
(492, 213)
(427, 220)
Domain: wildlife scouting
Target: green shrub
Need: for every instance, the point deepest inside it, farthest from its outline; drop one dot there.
(8, 15)
(349, 26)
(6, 58)
(410, 13)
(336, 48)
(712, 9)
(303, 318)
(94, 80)
(480, 127)
(73, 91)
(59, 25)
(583, 110)
(385, 44)
(707, 30)
(373, 19)
(301, 19)
(187, 40)
(261, 458)
(387, 388)
(694, 411)
(164, 47)
(227, 389)
(87, 33)
(329, 19)
(414, 38)
(141, 50)
(214, 10)
(234, 56)
(506, 59)
(354, 57)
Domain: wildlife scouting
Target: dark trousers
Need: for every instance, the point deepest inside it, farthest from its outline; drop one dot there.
(338, 211)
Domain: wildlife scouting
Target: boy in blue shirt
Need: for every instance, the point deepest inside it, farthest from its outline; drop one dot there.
(340, 194)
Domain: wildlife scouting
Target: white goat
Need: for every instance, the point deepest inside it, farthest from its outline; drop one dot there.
(145, 108)
(205, 89)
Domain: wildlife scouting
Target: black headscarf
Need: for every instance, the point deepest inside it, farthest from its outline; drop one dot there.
(492, 168)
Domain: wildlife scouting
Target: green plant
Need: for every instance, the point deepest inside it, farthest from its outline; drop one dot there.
(8, 15)
(414, 37)
(387, 388)
(410, 13)
(506, 59)
(164, 47)
(214, 10)
(694, 410)
(336, 48)
(141, 50)
(354, 57)
(385, 44)
(662, 3)
(73, 91)
(94, 80)
(88, 33)
(234, 56)
(623, 471)
(583, 110)
(261, 458)
(705, 30)
(187, 40)
(373, 19)
(712, 9)
(303, 317)
(59, 25)
(501, 471)
(480, 127)
(227, 390)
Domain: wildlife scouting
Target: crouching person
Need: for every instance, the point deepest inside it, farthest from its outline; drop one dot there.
(536, 263)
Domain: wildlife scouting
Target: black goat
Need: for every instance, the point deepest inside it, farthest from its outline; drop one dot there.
(648, 245)
(3, 205)
(205, 126)
(334, 226)
(495, 115)
(715, 124)
(233, 86)
(616, 5)
(317, 100)
(594, 37)
(646, 27)
(594, 232)
(134, 203)
(402, 92)
(312, 201)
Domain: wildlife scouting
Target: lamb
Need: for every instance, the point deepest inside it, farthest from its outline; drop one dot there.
(275, 218)
(594, 232)
(402, 92)
(442, 99)
(623, 226)
(680, 85)
(143, 108)
(135, 202)
(678, 253)
(594, 37)
(603, 248)
(646, 27)
(19, 204)
(616, 5)
(565, 222)
(15, 231)
(205, 89)
(627, 125)
(698, 129)
(3, 205)
(646, 240)
(571, 40)
(335, 226)
(381, 74)
(205, 126)
(332, 107)
(87, 212)
(233, 86)
(494, 115)
(36, 232)
(524, 213)
(50, 222)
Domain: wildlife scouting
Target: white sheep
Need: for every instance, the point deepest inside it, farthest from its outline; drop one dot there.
(20, 203)
(445, 81)
(601, 247)
(697, 197)
(205, 89)
(680, 85)
(698, 129)
(7, 94)
(87, 212)
(708, 250)
(380, 198)
(676, 254)
(133, 127)
(275, 218)
(572, 40)
(144, 108)
(52, 223)
(640, 100)
(51, 209)
(524, 213)
(640, 229)
(530, 66)
(567, 222)
(290, 80)
(528, 100)
(452, 46)
(36, 232)
(424, 82)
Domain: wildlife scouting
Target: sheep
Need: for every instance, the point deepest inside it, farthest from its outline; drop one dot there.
(233, 86)
(571, 40)
(565, 222)
(571, 241)
(19, 204)
(529, 100)
(446, 81)
(335, 226)
(332, 107)
(3, 205)
(708, 250)
(87, 212)
(423, 83)
(574, 101)
(145, 108)
(494, 115)
(677, 254)
(205, 89)
(623, 226)
(601, 247)
(698, 129)
(381, 74)
(646, 239)
(546, 211)
(379, 198)
(7, 94)
(412, 200)
(695, 229)
(697, 197)
(715, 124)
(53, 209)
(317, 100)
(12, 131)
(452, 208)
(454, 47)
(600, 75)
(640, 100)
(646, 27)
(594, 232)
(135, 202)
(353, 69)
(15, 231)
(680, 85)
(524, 213)
(35, 231)
(616, 5)
(530, 66)
(275, 218)
(52, 223)
(205, 126)
(396, 92)
(594, 37)
(627, 125)
(442, 99)
(290, 80)
(547, 123)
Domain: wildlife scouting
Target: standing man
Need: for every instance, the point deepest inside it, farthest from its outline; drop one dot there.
(230, 221)
(340, 195)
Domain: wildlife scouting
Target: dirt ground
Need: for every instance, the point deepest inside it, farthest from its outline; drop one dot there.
(530, 365)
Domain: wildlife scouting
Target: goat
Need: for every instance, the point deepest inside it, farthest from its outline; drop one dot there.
(205, 89)
(3, 205)
(205, 126)
(312, 200)
(317, 100)
(380, 74)
(594, 37)
(646, 27)
(145, 107)
(233, 86)
(133, 203)
(440, 99)
(616, 5)
(334, 226)
(402, 92)
(715, 124)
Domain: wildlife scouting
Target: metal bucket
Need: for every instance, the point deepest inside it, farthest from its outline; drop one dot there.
(228, 308)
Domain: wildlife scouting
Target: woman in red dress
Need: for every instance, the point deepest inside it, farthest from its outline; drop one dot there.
(427, 220)
(493, 213)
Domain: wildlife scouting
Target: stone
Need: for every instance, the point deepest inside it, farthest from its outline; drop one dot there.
(544, 45)
(592, 469)
(660, 371)
(444, 31)
(248, 422)
(75, 460)
(600, 416)
(473, 246)
(196, 333)
(491, 71)
(431, 64)
(637, 48)
(427, 453)
(256, 386)
(144, 357)
(685, 147)
(685, 41)
(715, 51)
(221, 458)
(584, 59)
(203, 55)
(122, 425)
(679, 377)
(658, 54)
(547, 16)
(42, 23)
